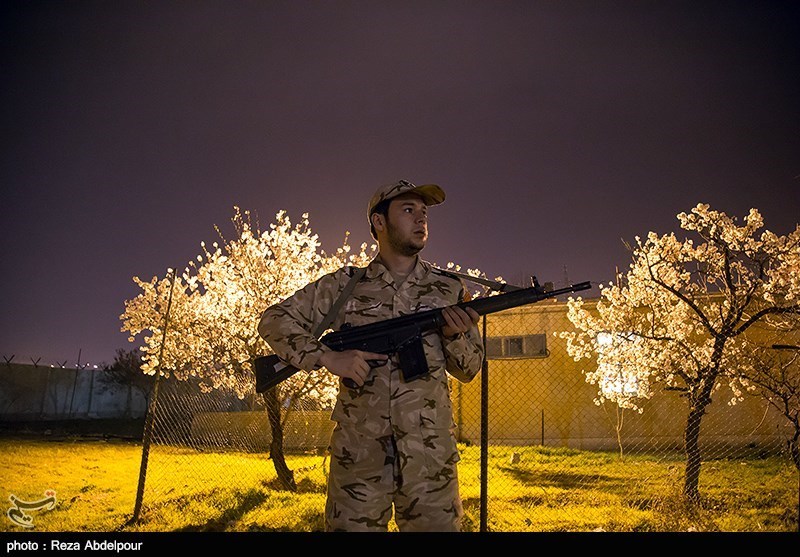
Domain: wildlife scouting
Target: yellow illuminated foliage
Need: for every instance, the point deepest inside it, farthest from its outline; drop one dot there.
(218, 299)
(683, 315)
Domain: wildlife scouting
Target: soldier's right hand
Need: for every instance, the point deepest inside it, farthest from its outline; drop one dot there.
(351, 364)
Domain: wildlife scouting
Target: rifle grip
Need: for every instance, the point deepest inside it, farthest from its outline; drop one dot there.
(350, 384)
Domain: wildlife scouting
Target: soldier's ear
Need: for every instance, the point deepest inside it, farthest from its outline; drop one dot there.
(378, 222)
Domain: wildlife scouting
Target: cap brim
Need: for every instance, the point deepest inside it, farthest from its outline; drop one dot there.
(431, 194)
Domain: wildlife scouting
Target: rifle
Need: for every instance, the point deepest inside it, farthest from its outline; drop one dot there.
(402, 335)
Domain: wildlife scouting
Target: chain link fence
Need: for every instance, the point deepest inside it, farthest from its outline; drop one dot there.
(537, 452)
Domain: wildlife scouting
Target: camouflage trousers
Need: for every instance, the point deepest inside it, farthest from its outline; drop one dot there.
(416, 478)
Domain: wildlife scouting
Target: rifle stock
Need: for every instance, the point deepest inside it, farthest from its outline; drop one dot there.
(402, 335)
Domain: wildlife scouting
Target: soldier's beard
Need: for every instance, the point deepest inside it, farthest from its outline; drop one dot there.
(404, 246)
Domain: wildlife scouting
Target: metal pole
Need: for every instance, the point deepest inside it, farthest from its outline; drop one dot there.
(484, 432)
(151, 410)
(542, 443)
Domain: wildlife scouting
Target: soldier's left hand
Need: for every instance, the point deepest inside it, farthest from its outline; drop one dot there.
(458, 320)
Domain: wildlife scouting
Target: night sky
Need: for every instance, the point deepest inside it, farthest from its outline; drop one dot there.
(558, 129)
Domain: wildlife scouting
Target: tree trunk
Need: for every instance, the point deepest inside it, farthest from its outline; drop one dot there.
(698, 401)
(692, 440)
(285, 475)
(794, 449)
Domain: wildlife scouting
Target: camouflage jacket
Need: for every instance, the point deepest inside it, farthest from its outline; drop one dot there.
(288, 328)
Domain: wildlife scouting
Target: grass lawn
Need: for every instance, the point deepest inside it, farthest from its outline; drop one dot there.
(530, 489)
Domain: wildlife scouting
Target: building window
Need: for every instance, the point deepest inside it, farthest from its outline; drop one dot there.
(528, 346)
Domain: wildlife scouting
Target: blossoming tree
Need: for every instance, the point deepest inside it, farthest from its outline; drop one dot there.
(215, 308)
(776, 376)
(683, 315)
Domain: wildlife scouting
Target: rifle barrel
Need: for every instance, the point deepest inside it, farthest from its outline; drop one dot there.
(516, 298)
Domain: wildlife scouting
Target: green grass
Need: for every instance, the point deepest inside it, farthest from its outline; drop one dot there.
(541, 489)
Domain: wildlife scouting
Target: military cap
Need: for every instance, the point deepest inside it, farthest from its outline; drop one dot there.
(431, 194)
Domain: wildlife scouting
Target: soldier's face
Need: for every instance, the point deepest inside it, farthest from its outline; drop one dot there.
(407, 224)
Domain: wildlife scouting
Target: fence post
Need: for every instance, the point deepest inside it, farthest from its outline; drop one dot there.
(542, 443)
(151, 410)
(484, 432)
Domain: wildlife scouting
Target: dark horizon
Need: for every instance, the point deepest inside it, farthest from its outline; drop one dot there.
(558, 130)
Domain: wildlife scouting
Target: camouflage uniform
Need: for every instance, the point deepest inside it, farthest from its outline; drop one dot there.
(394, 442)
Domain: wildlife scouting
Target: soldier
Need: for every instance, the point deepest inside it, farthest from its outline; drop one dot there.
(393, 447)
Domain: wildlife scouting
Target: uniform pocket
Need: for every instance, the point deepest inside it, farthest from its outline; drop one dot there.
(440, 453)
(437, 431)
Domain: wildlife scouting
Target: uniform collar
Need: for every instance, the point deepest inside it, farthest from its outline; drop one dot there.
(376, 269)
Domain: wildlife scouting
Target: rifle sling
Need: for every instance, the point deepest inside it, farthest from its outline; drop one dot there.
(337, 305)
